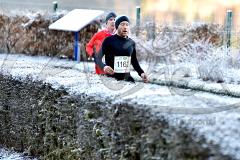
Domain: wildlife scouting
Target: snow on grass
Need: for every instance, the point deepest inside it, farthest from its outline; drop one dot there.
(205, 112)
(11, 155)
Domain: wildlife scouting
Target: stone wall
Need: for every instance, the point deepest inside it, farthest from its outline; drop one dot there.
(51, 124)
(29, 34)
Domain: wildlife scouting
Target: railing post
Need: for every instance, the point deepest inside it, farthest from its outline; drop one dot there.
(55, 6)
(138, 17)
(229, 27)
(77, 51)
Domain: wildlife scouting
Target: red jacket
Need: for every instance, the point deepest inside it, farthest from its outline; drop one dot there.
(96, 42)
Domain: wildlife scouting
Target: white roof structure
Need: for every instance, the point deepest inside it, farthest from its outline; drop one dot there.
(75, 20)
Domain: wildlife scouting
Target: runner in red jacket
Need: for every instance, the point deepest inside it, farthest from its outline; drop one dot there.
(95, 43)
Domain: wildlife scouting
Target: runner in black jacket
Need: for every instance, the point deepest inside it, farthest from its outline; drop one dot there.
(120, 53)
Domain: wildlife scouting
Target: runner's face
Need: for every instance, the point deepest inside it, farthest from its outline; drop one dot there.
(123, 29)
(111, 23)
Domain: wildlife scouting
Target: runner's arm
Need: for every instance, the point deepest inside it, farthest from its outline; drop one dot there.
(135, 63)
(98, 57)
(90, 46)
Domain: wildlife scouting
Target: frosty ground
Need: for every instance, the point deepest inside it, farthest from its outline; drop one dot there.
(214, 116)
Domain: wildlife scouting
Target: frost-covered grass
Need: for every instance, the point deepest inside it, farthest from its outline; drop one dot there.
(206, 113)
(11, 155)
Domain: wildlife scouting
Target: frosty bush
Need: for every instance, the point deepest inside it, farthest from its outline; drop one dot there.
(198, 44)
(177, 41)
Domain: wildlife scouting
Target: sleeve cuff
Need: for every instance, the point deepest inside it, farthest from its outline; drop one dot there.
(139, 73)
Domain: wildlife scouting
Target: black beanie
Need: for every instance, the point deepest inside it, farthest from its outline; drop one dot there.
(120, 19)
(110, 15)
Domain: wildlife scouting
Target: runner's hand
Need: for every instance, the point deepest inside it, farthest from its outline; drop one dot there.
(144, 77)
(108, 70)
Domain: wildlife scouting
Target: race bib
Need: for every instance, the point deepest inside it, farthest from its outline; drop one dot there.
(122, 64)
